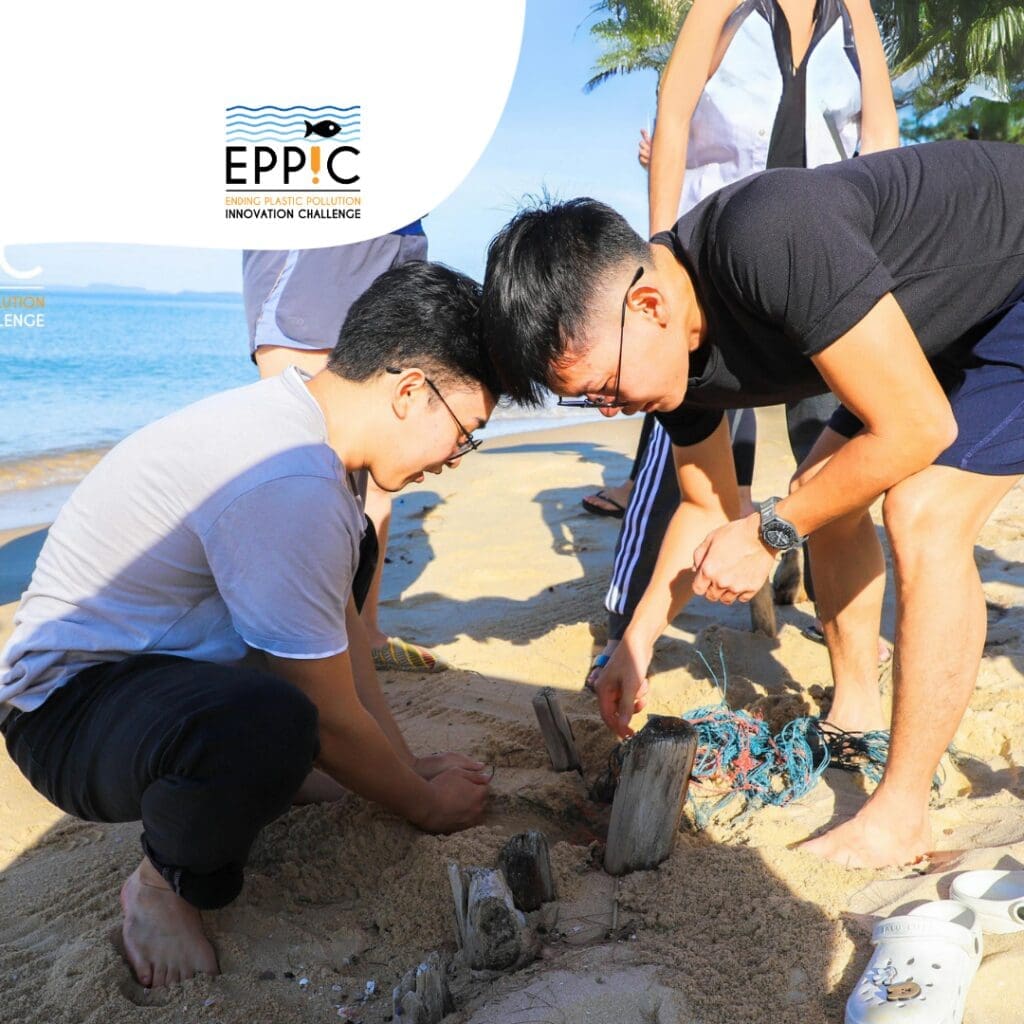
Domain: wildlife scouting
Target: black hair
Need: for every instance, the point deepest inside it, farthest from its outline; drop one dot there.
(543, 268)
(418, 314)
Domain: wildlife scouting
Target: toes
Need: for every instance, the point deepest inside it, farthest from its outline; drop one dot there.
(159, 976)
(174, 975)
(143, 972)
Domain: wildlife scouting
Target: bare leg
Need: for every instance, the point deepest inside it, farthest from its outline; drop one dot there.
(932, 520)
(849, 583)
(378, 508)
(163, 935)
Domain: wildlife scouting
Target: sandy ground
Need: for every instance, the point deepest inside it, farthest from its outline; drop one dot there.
(500, 569)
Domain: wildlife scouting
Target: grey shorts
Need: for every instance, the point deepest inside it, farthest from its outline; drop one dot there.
(299, 298)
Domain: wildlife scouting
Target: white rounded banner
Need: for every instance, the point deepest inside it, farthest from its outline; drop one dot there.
(245, 125)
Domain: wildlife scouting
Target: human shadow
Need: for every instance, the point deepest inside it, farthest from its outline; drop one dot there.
(574, 534)
(17, 560)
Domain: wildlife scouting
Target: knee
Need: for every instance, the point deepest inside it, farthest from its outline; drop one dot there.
(261, 724)
(282, 723)
(911, 517)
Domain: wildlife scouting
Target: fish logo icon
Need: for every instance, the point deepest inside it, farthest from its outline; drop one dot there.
(271, 125)
(325, 129)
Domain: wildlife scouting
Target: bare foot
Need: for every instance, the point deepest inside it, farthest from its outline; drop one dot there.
(878, 836)
(163, 935)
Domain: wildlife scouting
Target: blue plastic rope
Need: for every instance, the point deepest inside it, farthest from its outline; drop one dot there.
(739, 748)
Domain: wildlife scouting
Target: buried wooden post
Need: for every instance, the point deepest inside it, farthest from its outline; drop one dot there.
(422, 996)
(557, 731)
(492, 934)
(526, 862)
(649, 797)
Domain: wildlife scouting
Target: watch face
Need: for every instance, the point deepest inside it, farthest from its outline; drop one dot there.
(780, 535)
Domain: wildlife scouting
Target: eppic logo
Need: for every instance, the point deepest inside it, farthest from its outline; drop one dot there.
(297, 149)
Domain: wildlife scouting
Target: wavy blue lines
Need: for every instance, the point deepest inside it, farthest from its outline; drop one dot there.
(315, 140)
(255, 110)
(291, 121)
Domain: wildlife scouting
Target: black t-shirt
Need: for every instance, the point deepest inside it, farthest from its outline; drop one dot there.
(787, 261)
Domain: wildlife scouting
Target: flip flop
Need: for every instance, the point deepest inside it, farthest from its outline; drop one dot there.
(997, 897)
(399, 655)
(595, 510)
(599, 661)
(921, 969)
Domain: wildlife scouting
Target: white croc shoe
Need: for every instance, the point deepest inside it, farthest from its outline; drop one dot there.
(921, 969)
(997, 897)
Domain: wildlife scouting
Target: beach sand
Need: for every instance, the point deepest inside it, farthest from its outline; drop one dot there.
(498, 567)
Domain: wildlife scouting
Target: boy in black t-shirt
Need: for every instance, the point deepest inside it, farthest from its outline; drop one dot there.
(897, 282)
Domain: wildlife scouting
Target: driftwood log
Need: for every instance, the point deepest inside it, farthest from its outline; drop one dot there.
(762, 612)
(649, 797)
(526, 862)
(493, 935)
(557, 731)
(422, 996)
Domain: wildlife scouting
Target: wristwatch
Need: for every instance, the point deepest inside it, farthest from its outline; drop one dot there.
(778, 533)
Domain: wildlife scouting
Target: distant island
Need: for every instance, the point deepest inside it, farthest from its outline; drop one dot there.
(120, 289)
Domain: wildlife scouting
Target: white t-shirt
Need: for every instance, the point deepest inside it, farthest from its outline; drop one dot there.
(223, 526)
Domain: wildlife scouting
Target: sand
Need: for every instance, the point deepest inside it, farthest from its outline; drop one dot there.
(500, 569)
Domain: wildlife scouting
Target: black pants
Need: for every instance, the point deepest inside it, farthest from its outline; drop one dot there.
(205, 755)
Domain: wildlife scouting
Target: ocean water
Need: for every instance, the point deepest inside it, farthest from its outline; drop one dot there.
(106, 364)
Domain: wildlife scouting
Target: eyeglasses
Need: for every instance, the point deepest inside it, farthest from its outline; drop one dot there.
(471, 443)
(588, 403)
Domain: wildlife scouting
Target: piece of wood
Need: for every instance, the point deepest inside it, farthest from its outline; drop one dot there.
(762, 612)
(649, 798)
(526, 862)
(457, 882)
(493, 933)
(422, 996)
(557, 731)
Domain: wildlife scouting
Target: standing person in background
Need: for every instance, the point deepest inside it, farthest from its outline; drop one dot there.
(295, 303)
(765, 84)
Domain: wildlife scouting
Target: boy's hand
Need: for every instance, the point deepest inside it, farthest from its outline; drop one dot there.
(621, 688)
(458, 801)
(432, 765)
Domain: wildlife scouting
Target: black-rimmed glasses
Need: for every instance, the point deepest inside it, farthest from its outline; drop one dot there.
(471, 443)
(588, 403)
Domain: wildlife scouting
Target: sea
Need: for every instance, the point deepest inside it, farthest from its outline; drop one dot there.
(108, 362)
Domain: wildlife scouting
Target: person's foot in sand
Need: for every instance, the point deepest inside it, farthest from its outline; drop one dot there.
(883, 833)
(163, 935)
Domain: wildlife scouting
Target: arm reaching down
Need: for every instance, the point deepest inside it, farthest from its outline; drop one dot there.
(709, 498)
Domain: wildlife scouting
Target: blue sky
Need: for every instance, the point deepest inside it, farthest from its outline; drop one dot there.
(551, 136)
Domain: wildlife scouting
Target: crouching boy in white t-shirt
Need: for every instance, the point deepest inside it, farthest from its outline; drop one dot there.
(226, 532)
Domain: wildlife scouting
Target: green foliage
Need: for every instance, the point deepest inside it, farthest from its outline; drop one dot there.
(950, 43)
(981, 118)
(634, 35)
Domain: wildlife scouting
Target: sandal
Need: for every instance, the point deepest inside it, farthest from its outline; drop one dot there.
(921, 969)
(617, 512)
(997, 897)
(399, 655)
